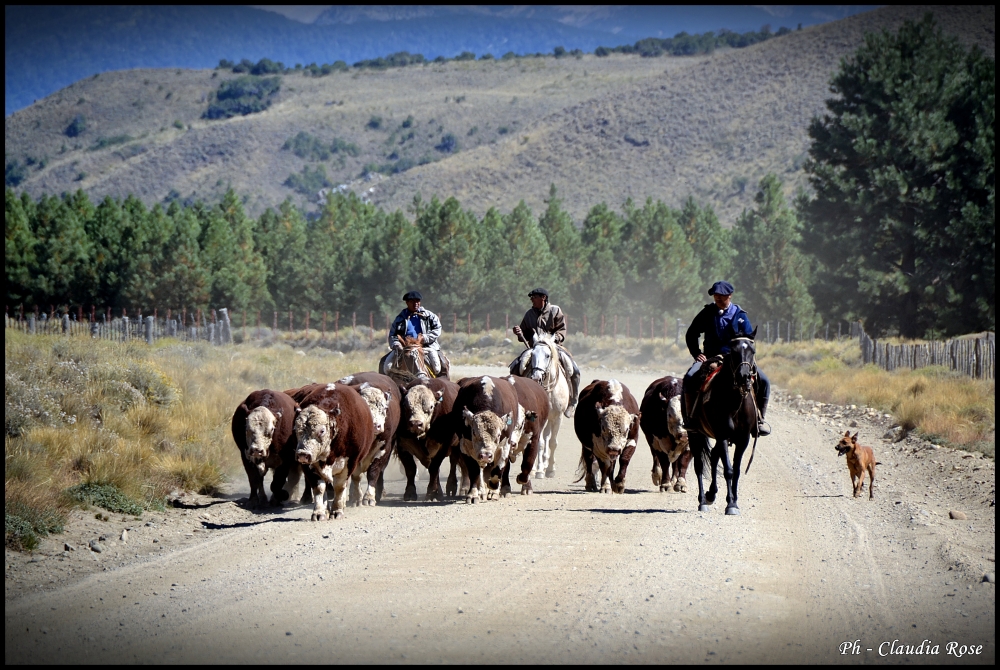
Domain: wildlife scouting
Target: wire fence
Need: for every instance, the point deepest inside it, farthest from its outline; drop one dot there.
(974, 356)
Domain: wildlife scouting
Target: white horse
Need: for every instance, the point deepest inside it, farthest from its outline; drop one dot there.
(546, 369)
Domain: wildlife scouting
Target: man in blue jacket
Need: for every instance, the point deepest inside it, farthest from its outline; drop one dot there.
(416, 322)
(721, 323)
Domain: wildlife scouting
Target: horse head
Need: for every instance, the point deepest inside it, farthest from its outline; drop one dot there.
(544, 357)
(742, 361)
(409, 362)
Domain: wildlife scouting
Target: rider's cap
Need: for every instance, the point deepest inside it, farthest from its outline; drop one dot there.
(721, 288)
(413, 295)
(538, 291)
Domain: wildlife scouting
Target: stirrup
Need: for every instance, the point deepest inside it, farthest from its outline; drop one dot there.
(763, 428)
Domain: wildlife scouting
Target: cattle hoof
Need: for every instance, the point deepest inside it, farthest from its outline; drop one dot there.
(681, 486)
(704, 508)
(473, 499)
(410, 494)
(433, 496)
(526, 490)
(505, 492)
(253, 503)
(664, 488)
(733, 511)
(452, 491)
(339, 514)
(539, 475)
(618, 488)
(550, 473)
(318, 516)
(368, 502)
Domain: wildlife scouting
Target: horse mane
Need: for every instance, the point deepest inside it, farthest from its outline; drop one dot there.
(549, 340)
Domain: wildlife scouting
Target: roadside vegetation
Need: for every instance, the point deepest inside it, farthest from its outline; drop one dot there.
(118, 426)
(938, 404)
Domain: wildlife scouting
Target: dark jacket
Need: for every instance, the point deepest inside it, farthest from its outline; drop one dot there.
(549, 319)
(717, 338)
(430, 327)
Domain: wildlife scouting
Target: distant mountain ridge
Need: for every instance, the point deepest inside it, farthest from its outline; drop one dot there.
(49, 47)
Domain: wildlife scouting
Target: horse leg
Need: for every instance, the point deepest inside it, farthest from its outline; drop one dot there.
(714, 488)
(552, 426)
(701, 456)
(741, 446)
(410, 467)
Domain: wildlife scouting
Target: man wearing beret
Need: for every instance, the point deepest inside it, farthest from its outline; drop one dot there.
(548, 318)
(721, 323)
(418, 323)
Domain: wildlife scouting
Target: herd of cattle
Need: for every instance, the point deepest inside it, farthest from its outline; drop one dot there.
(332, 433)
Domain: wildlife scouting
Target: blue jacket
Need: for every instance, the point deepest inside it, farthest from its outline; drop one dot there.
(719, 330)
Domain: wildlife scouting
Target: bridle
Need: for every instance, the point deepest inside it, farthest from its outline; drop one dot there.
(548, 381)
(751, 366)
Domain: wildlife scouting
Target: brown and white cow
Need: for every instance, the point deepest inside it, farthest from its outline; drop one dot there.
(607, 424)
(534, 401)
(486, 417)
(335, 434)
(663, 426)
(263, 429)
(382, 396)
(424, 436)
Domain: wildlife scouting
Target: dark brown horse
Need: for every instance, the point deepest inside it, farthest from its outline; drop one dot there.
(726, 412)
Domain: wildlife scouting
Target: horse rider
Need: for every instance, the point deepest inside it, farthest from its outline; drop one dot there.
(418, 323)
(722, 322)
(548, 318)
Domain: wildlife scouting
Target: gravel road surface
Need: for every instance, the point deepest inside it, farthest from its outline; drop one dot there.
(558, 576)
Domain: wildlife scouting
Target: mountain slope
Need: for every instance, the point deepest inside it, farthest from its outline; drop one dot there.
(702, 131)
(601, 129)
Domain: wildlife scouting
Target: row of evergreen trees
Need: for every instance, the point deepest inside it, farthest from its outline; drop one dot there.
(647, 259)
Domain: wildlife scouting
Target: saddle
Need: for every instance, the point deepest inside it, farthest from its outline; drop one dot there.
(699, 390)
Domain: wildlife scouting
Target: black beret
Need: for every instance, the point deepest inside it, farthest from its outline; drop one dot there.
(413, 295)
(721, 288)
(539, 291)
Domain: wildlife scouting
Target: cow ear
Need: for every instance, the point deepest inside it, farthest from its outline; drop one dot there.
(530, 416)
(297, 409)
(440, 396)
(468, 416)
(243, 406)
(336, 411)
(635, 417)
(663, 398)
(277, 415)
(388, 396)
(507, 419)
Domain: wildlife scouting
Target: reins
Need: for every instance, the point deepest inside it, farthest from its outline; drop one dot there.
(752, 365)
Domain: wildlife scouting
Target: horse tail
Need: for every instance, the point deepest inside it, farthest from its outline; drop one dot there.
(701, 451)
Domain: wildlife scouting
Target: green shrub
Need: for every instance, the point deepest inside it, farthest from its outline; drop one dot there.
(77, 126)
(374, 123)
(448, 144)
(466, 55)
(178, 124)
(408, 122)
(107, 496)
(307, 146)
(308, 182)
(24, 525)
(343, 146)
(14, 173)
(105, 142)
(241, 96)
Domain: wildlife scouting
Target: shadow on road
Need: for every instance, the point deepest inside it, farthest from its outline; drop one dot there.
(599, 510)
(180, 504)
(839, 495)
(246, 524)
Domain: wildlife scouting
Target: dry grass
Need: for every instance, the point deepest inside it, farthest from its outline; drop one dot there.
(141, 420)
(939, 404)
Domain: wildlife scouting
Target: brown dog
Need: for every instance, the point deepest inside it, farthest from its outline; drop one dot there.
(859, 459)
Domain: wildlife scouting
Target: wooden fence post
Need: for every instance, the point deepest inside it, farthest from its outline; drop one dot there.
(584, 324)
(506, 322)
(354, 321)
(307, 321)
(602, 325)
(454, 323)
(371, 328)
(468, 316)
(628, 327)
(324, 325)
(336, 325)
(290, 332)
(487, 322)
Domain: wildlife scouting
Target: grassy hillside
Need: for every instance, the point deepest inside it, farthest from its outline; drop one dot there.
(601, 129)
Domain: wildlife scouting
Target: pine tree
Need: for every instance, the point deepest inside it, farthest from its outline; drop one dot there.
(19, 248)
(566, 246)
(62, 250)
(770, 273)
(447, 268)
(903, 167)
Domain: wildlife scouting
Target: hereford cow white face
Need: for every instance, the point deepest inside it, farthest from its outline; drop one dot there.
(260, 425)
(421, 402)
(615, 422)
(488, 444)
(675, 425)
(378, 404)
(314, 430)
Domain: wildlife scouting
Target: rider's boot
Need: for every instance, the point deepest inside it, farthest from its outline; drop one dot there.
(763, 395)
(574, 384)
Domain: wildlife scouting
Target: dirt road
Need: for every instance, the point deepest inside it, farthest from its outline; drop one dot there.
(560, 576)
